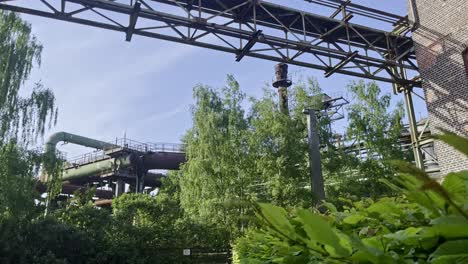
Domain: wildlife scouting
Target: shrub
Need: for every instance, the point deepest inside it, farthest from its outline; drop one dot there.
(427, 224)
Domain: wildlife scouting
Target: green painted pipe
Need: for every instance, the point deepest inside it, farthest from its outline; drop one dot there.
(148, 162)
(98, 168)
(51, 146)
(51, 143)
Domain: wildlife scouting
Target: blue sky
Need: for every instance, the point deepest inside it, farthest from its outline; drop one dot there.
(106, 87)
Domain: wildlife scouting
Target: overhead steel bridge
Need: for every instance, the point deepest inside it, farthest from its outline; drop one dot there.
(253, 28)
(333, 43)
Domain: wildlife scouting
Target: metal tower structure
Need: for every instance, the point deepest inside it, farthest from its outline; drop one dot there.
(259, 29)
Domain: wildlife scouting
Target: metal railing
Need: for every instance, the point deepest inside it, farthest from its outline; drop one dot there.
(129, 144)
(87, 158)
(125, 144)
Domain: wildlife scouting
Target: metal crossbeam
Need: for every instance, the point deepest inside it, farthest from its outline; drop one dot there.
(288, 35)
(133, 21)
(249, 45)
(341, 64)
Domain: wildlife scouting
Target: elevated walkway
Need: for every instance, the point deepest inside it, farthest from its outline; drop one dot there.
(122, 147)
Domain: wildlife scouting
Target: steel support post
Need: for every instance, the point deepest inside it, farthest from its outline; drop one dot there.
(413, 128)
(413, 125)
(140, 182)
(315, 163)
(119, 187)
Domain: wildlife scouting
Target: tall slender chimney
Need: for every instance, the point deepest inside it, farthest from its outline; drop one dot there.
(282, 83)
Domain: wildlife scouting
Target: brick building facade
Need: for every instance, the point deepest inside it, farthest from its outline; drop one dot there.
(440, 39)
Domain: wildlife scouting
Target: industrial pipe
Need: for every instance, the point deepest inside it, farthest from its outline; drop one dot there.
(51, 144)
(99, 167)
(154, 161)
(163, 161)
(153, 179)
(151, 161)
(55, 138)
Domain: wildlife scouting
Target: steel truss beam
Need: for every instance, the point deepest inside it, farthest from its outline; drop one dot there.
(259, 29)
(252, 28)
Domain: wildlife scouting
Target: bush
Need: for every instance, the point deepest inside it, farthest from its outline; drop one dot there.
(428, 224)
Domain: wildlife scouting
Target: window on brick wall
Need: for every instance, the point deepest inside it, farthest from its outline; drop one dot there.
(465, 59)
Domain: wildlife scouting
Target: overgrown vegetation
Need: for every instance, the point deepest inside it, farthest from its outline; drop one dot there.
(355, 169)
(428, 223)
(21, 118)
(246, 183)
(239, 155)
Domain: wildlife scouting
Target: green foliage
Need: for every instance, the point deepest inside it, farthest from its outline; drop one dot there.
(213, 187)
(427, 225)
(236, 156)
(371, 121)
(22, 119)
(42, 241)
(372, 126)
(19, 49)
(278, 145)
(16, 182)
(138, 229)
(150, 229)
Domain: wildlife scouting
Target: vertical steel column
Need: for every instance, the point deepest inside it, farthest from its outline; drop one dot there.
(140, 182)
(413, 128)
(282, 83)
(119, 187)
(407, 90)
(315, 163)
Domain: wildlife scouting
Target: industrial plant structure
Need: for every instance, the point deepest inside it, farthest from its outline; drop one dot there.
(115, 167)
(425, 49)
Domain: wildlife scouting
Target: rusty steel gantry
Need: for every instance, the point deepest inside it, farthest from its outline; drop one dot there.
(260, 29)
(252, 28)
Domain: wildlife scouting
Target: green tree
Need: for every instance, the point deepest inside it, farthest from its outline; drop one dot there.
(17, 185)
(150, 229)
(428, 223)
(373, 122)
(278, 145)
(213, 186)
(22, 118)
(374, 127)
(236, 156)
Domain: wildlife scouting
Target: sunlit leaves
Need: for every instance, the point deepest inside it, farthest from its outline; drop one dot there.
(241, 151)
(427, 225)
(374, 125)
(451, 252)
(21, 116)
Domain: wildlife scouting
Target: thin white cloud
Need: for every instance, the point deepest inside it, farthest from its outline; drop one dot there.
(158, 117)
